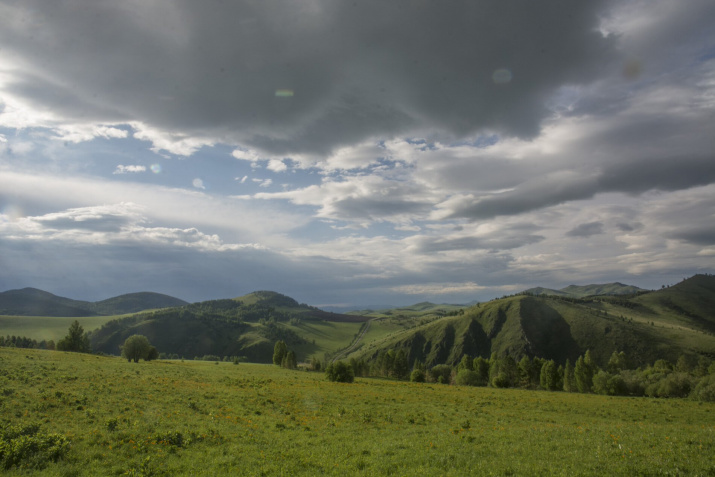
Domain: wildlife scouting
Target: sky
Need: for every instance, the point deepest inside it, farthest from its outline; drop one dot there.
(354, 153)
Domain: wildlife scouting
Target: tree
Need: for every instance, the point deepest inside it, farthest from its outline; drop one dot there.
(569, 380)
(616, 363)
(340, 372)
(289, 362)
(136, 347)
(467, 377)
(583, 374)
(280, 350)
(549, 376)
(417, 376)
(441, 373)
(481, 367)
(76, 340)
(152, 354)
(400, 366)
(466, 363)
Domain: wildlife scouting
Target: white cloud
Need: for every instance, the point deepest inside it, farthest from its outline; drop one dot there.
(198, 183)
(263, 182)
(130, 169)
(276, 165)
(245, 155)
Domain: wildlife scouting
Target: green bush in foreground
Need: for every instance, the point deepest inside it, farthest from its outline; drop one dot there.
(25, 446)
(340, 372)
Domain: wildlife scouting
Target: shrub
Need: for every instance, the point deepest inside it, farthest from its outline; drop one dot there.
(417, 376)
(501, 380)
(467, 377)
(26, 446)
(441, 371)
(340, 372)
(705, 389)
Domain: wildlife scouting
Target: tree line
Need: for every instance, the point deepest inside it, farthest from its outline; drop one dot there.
(690, 376)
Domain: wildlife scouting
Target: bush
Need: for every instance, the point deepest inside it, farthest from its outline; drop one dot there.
(501, 380)
(417, 376)
(705, 389)
(467, 377)
(340, 372)
(673, 385)
(26, 446)
(441, 371)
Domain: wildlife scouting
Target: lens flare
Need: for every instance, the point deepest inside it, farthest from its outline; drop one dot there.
(155, 168)
(502, 76)
(284, 93)
(11, 213)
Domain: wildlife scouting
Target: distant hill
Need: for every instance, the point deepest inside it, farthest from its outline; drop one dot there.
(34, 302)
(649, 326)
(134, 302)
(580, 291)
(246, 326)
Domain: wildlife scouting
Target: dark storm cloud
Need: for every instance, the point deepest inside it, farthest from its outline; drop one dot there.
(478, 243)
(355, 69)
(586, 230)
(702, 235)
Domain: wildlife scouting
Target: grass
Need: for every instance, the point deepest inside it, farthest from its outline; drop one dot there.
(48, 327)
(199, 418)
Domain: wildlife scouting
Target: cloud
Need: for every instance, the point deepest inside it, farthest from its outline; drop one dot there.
(198, 184)
(355, 70)
(121, 169)
(263, 182)
(586, 230)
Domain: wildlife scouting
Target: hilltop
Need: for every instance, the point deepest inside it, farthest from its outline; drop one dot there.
(34, 302)
(581, 291)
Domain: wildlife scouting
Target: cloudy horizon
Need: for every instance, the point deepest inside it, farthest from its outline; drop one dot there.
(354, 153)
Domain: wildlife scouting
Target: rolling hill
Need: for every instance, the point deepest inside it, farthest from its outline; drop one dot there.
(246, 326)
(661, 324)
(581, 291)
(34, 302)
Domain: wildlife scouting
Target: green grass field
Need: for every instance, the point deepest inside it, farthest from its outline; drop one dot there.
(48, 327)
(201, 418)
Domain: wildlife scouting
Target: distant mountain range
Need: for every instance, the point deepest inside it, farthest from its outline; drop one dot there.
(34, 302)
(646, 325)
(552, 324)
(580, 291)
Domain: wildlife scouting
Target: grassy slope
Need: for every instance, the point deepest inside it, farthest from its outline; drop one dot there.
(551, 328)
(262, 420)
(48, 327)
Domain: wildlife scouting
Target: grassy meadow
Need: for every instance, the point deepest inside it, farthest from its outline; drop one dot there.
(49, 327)
(110, 417)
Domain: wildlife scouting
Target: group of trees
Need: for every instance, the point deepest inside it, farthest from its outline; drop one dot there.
(24, 342)
(284, 357)
(689, 376)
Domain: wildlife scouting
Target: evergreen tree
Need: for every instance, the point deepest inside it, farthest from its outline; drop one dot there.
(280, 350)
(549, 376)
(569, 383)
(400, 366)
(583, 375)
(289, 361)
(525, 372)
(76, 340)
